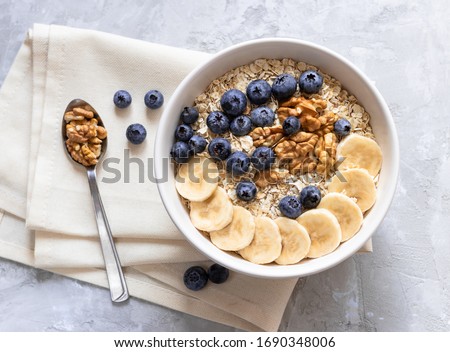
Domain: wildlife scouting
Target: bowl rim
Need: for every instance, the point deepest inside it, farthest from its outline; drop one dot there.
(257, 270)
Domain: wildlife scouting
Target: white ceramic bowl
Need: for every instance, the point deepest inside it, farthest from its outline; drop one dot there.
(351, 78)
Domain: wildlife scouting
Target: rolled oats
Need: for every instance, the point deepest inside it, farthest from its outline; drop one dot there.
(305, 158)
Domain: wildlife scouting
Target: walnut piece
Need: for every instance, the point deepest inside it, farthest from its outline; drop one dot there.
(297, 106)
(266, 136)
(303, 165)
(79, 113)
(314, 148)
(272, 176)
(296, 146)
(101, 132)
(327, 120)
(308, 110)
(325, 151)
(84, 135)
(70, 116)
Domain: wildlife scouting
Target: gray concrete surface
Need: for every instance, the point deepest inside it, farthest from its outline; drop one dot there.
(403, 45)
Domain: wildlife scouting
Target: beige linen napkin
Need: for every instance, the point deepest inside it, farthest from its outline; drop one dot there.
(92, 66)
(245, 303)
(40, 184)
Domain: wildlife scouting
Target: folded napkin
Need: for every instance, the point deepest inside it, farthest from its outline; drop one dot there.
(40, 185)
(243, 302)
(93, 66)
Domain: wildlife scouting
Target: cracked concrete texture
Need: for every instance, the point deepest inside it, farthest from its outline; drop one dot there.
(403, 46)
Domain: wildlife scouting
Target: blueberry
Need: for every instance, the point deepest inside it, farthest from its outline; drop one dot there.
(153, 99)
(136, 133)
(284, 86)
(290, 207)
(219, 148)
(233, 102)
(259, 91)
(218, 274)
(197, 144)
(195, 278)
(310, 82)
(262, 158)
(291, 125)
(342, 127)
(262, 116)
(122, 99)
(189, 115)
(184, 133)
(238, 163)
(241, 125)
(218, 122)
(246, 190)
(310, 197)
(181, 152)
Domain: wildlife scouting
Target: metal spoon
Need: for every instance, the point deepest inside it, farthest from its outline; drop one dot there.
(116, 279)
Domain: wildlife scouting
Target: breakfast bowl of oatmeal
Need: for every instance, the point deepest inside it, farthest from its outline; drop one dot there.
(279, 158)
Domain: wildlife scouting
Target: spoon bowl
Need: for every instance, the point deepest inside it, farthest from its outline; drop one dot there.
(80, 103)
(116, 279)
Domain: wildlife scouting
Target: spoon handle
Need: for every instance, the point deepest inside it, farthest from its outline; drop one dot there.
(116, 279)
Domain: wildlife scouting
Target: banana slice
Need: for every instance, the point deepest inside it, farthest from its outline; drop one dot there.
(295, 241)
(324, 231)
(359, 152)
(266, 244)
(238, 234)
(214, 213)
(348, 214)
(198, 179)
(355, 183)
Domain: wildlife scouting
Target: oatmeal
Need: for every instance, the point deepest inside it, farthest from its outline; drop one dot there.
(332, 98)
(302, 154)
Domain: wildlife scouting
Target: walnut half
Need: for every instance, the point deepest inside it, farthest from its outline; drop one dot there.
(325, 151)
(308, 110)
(314, 148)
(296, 146)
(266, 136)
